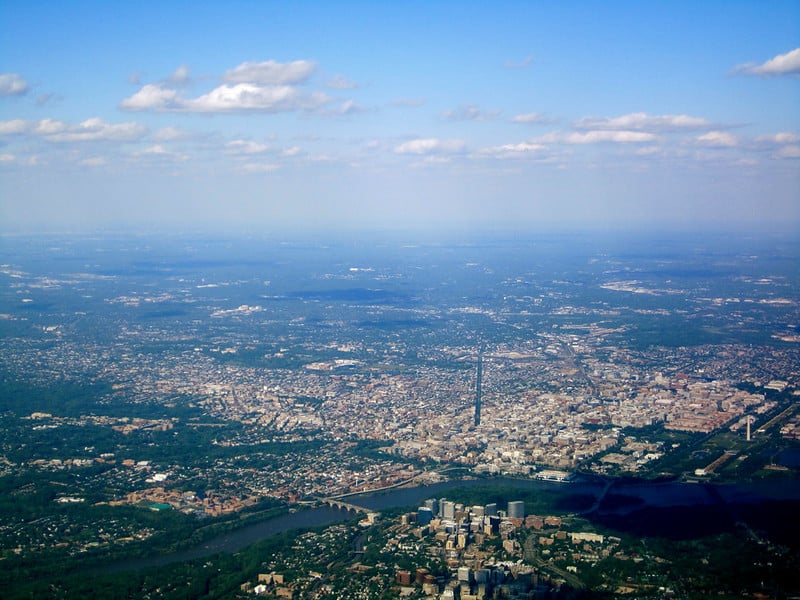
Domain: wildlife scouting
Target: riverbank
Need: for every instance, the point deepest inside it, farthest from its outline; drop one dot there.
(608, 502)
(235, 540)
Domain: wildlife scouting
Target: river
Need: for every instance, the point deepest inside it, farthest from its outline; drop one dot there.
(233, 541)
(622, 499)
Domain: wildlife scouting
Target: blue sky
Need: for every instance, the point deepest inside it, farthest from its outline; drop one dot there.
(402, 115)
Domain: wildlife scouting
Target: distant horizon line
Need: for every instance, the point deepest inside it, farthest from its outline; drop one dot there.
(785, 230)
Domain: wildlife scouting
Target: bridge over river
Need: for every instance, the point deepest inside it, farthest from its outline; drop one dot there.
(342, 505)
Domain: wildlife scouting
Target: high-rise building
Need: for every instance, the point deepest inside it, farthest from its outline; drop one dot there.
(424, 515)
(447, 509)
(516, 509)
(491, 525)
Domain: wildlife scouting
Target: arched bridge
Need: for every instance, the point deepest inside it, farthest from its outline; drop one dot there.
(335, 503)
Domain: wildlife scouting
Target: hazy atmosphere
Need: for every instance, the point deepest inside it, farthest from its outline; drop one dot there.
(395, 299)
(311, 115)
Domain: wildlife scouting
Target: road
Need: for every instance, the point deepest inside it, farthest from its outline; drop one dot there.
(531, 555)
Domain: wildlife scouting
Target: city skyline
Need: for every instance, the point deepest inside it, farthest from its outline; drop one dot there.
(437, 116)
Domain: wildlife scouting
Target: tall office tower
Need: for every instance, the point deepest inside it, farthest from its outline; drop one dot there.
(516, 509)
(433, 504)
(424, 515)
(448, 509)
(490, 510)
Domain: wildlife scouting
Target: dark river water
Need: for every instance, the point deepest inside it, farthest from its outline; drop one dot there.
(626, 505)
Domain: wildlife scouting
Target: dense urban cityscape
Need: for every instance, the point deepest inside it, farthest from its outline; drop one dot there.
(156, 386)
(400, 300)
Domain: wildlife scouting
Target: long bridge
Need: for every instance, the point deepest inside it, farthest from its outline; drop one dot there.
(336, 503)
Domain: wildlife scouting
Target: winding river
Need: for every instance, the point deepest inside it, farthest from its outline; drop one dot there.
(637, 495)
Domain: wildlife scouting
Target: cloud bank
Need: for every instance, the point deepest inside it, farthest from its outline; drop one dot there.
(643, 122)
(268, 87)
(90, 130)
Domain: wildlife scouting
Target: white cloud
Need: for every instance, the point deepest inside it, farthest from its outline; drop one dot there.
(246, 97)
(14, 127)
(158, 151)
(521, 150)
(7, 158)
(260, 167)
(600, 137)
(12, 84)
(49, 127)
(644, 122)
(788, 152)
(434, 159)
(716, 139)
(782, 64)
(531, 118)
(153, 97)
(350, 107)
(251, 97)
(270, 72)
(245, 147)
(96, 129)
(470, 112)
(783, 144)
(784, 137)
(292, 151)
(430, 146)
(180, 76)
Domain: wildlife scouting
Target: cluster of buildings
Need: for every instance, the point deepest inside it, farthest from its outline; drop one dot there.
(491, 552)
(554, 406)
(450, 551)
(791, 430)
(559, 397)
(555, 401)
(211, 503)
